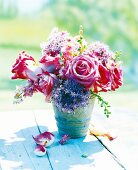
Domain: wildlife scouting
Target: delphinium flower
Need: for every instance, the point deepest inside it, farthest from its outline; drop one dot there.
(69, 95)
(22, 92)
(29, 89)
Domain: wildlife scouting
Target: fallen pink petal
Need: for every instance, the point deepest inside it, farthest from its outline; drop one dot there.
(40, 150)
(64, 139)
(44, 139)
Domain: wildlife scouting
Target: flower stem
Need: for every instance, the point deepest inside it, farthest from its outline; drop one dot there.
(102, 103)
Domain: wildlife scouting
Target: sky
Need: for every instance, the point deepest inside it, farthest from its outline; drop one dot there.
(26, 6)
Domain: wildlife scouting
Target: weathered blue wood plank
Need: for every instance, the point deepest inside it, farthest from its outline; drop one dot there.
(124, 124)
(16, 143)
(69, 156)
(39, 163)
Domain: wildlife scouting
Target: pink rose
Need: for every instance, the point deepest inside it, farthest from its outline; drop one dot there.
(117, 78)
(83, 69)
(103, 83)
(22, 69)
(45, 83)
(51, 64)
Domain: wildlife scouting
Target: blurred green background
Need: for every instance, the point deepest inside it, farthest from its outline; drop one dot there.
(24, 24)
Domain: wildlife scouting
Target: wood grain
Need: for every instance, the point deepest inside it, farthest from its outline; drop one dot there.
(17, 145)
(69, 156)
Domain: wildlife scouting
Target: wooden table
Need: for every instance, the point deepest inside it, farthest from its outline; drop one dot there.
(17, 145)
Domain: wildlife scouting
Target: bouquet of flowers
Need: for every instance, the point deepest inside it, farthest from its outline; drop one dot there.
(69, 72)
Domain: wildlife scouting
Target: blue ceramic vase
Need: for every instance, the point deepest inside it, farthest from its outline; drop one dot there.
(74, 124)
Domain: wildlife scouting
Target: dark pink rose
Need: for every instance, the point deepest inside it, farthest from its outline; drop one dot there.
(22, 69)
(109, 78)
(83, 69)
(117, 78)
(103, 83)
(51, 64)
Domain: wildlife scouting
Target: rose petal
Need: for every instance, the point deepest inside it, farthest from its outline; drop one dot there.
(40, 150)
(64, 139)
(45, 139)
(109, 136)
(100, 131)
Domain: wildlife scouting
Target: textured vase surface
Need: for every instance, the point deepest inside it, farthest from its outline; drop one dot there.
(74, 124)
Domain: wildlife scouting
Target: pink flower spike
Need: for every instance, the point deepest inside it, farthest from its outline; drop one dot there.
(40, 150)
(44, 139)
(64, 139)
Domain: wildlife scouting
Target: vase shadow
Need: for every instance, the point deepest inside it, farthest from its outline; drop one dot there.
(73, 152)
(21, 147)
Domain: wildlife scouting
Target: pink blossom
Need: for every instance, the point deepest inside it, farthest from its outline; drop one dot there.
(51, 64)
(45, 83)
(110, 78)
(103, 83)
(23, 68)
(40, 150)
(83, 69)
(117, 78)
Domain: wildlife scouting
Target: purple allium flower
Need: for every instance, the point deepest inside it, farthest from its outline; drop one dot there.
(69, 95)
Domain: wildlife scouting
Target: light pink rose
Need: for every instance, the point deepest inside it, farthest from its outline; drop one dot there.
(22, 69)
(83, 69)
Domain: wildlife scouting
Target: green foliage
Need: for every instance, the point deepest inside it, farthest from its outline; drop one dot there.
(115, 23)
(117, 55)
(102, 103)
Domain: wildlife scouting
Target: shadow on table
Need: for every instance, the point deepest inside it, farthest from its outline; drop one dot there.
(16, 152)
